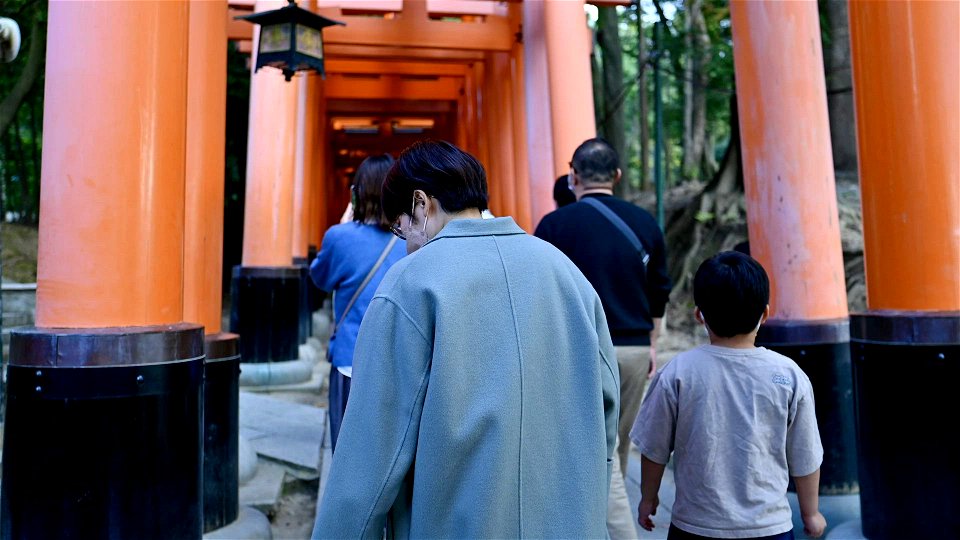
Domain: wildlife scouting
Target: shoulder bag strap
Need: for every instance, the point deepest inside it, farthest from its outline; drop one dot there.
(376, 266)
(620, 225)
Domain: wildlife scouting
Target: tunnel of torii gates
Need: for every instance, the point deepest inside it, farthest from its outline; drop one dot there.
(122, 401)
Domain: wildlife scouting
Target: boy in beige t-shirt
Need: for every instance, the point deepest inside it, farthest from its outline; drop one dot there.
(738, 418)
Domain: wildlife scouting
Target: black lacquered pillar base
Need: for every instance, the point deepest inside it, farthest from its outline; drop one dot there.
(103, 434)
(221, 431)
(265, 312)
(305, 325)
(906, 367)
(822, 350)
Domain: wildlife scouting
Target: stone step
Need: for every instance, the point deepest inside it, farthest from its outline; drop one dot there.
(263, 491)
(285, 432)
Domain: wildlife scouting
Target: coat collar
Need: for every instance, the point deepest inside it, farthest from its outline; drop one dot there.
(479, 227)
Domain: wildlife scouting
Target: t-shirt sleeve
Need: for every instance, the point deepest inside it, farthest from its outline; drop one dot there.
(653, 430)
(804, 450)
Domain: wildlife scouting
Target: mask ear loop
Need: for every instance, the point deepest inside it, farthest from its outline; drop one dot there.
(425, 217)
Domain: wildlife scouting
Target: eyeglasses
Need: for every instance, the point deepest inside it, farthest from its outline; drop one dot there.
(395, 228)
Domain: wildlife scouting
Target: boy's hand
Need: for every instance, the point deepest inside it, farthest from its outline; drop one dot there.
(813, 525)
(646, 509)
(653, 363)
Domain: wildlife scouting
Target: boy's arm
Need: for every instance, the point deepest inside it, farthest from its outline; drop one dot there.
(654, 334)
(808, 489)
(651, 474)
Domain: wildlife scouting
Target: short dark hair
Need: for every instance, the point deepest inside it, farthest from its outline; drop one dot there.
(562, 194)
(595, 162)
(448, 174)
(368, 187)
(731, 290)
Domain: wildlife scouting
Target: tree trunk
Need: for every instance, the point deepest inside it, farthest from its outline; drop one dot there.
(690, 155)
(697, 162)
(836, 63)
(643, 117)
(596, 77)
(35, 54)
(614, 91)
(22, 171)
(711, 220)
(33, 202)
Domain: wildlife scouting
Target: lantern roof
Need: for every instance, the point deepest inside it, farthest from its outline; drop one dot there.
(290, 13)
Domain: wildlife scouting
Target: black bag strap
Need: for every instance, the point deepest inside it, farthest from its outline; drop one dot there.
(376, 266)
(621, 225)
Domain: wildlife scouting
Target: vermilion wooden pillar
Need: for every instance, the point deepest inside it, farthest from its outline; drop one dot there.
(320, 220)
(792, 211)
(907, 95)
(266, 288)
(571, 90)
(103, 430)
(303, 162)
(304, 180)
(514, 87)
(498, 113)
(206, 116)
(203, 258)
(537, 104)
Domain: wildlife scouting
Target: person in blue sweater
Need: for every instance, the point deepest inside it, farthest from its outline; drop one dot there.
(347, 254)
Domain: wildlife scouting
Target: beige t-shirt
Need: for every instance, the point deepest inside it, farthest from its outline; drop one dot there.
(740, 422)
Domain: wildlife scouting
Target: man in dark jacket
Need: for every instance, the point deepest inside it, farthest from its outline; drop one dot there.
(632, 283)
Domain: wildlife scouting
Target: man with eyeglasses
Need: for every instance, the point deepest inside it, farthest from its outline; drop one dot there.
(620, 249)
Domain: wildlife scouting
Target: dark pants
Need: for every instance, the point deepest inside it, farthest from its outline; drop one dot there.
(339, 392)
(676, 534)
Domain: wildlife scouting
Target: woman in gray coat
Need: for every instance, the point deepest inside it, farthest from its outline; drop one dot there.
(485, 391)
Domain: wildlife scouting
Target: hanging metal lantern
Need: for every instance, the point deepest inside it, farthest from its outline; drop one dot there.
(291, 39)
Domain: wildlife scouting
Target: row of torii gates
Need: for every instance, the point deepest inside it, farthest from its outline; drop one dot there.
(105, 434)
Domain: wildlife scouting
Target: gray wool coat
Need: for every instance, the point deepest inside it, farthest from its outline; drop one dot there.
(485, 397)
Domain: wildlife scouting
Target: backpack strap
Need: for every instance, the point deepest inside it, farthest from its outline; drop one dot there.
(621, 225)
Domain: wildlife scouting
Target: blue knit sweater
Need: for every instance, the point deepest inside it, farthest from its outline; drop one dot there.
(347, 254)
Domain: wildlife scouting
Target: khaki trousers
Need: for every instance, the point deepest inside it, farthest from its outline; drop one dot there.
(634, 363)
(620, 523)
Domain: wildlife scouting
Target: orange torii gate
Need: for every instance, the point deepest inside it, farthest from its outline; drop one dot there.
(449, 69)
(128, 305)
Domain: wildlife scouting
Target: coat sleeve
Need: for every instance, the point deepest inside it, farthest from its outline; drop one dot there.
(610, 381)
(378, 438)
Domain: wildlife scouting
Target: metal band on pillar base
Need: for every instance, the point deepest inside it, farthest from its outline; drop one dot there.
(103, 434)
(822, 350)
(221, 421)
(908, 447)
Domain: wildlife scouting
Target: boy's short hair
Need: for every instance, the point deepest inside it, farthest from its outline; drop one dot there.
(731, 290)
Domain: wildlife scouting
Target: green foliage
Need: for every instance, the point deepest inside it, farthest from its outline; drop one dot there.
(20, 143)
(674, 56)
